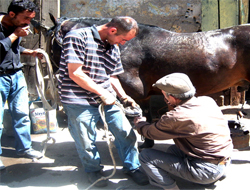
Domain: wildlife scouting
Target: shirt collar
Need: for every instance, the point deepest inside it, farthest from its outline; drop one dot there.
(97, 36)
(95, 33)
(1, 26)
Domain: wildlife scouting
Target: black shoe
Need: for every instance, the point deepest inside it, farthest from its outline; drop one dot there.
(138, 177)
(93, 176)
(223, 177)
(31, 153)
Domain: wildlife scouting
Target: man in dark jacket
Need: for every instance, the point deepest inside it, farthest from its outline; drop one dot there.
(201, 134)
(13, 26)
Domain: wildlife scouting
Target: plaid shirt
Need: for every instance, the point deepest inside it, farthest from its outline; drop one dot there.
(85, 46)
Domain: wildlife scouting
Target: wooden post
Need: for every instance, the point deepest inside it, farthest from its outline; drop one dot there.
(48, 6)
(243, 11)
(229, 13)
(210, 15)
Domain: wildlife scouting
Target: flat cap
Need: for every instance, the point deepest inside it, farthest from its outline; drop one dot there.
(175, 83)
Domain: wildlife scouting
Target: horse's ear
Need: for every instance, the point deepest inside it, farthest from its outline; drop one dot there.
(53, 19)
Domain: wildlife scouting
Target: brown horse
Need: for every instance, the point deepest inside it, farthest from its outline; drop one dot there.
(214, 60)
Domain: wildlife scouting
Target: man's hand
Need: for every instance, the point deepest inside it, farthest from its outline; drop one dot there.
(128, 101)
(139, 119)
(108, 98)
(19, 32)
(36, 53)
(22, 31)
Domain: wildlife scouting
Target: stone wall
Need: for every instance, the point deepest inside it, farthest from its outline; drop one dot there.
(179, 16)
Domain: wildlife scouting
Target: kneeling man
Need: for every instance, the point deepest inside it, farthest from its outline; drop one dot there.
(201, 134)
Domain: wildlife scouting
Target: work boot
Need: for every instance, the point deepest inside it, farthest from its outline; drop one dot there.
(31, 153)
(138, 177)
(94, 176)
(2, 167)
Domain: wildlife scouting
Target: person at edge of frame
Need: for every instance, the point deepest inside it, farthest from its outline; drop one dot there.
(13, 26)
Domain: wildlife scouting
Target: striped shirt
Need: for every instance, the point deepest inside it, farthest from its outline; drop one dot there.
(85, 46)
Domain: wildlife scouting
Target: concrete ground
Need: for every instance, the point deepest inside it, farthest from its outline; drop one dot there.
(61, 167)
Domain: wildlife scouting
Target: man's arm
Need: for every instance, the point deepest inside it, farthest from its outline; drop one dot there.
(117, 87)
(34, 53)
(128, 101)
(84, 81)
(19, 32)
(160, 130)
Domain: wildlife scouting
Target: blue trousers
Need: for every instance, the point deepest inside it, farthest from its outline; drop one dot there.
(82, 121)
(13, 88)
(158, 165)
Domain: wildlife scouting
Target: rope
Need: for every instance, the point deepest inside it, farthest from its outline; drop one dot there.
(109, 141)
(40, 86)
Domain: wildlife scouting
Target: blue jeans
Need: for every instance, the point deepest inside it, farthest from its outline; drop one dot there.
(13, 89)
(158, 165)
(82, 122)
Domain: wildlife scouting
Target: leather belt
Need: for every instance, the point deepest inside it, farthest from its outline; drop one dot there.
(218, 162)
(9, 71)
(97, 100)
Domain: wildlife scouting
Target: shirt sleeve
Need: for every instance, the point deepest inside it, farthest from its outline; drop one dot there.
(6, 44)
(161, 130)
(22, 49)
(74, 48)
(169, 126)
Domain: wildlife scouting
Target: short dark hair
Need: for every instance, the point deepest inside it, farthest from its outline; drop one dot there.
(123, 24)
(18, 6)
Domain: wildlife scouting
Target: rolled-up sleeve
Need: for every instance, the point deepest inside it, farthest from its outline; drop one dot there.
(22, 49)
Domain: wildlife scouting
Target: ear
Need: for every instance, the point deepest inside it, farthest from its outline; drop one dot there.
(113, 30)
(12, 14)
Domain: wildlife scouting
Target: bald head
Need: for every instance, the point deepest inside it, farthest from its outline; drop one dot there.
(124, 24)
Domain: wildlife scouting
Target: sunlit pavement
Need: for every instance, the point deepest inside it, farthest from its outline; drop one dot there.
(61, 167)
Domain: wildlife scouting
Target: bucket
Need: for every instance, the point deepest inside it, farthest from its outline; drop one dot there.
(38, 118)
